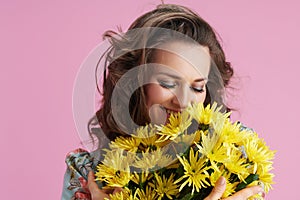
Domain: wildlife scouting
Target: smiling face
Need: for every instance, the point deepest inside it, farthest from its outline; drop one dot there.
(179, 78)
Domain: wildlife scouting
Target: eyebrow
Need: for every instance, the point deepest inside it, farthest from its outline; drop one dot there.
(179, 78)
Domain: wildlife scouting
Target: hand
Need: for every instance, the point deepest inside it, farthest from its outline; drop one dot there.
(96, 193)
(244, 194)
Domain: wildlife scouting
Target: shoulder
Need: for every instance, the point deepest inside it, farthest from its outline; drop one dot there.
(79, 162)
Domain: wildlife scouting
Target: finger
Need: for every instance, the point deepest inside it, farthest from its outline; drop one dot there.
(246, 193)
(218, 190)
(91, 182)
(96, 193)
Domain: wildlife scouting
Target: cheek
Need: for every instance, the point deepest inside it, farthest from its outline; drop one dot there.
(155, 94)
(201, 97)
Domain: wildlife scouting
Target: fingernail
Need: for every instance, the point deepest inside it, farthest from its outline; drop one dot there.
(262, 194)
(222, 181)
(91, 173)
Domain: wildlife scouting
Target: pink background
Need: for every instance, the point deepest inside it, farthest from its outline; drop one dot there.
(43, 43)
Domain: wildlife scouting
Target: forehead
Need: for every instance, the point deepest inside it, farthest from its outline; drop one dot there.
(187, 60)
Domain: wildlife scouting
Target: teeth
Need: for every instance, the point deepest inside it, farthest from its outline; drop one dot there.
(169, 111)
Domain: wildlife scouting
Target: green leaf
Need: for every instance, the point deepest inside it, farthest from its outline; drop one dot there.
(189, 196)
(248, 180)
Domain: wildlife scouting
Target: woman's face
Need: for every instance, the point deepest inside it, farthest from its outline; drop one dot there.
(178, 79)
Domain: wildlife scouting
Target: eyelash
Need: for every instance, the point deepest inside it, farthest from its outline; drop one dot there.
(167, 85)
(199, 90)
(172, 85)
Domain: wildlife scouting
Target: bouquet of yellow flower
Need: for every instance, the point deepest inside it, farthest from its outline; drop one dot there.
(184, 158)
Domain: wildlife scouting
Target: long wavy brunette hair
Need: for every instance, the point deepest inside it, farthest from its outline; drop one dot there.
(118, 62)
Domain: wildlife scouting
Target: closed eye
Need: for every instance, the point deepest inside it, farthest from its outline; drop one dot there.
(198, 89)
(167, 84)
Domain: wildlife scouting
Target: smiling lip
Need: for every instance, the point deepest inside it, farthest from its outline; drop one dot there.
(170, 110)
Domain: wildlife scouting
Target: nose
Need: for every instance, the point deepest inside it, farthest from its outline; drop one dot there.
(183, 96)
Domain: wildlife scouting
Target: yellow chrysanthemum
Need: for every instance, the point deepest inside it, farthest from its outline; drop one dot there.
(141, 178)
(178, 123)
(232, 133)
(125, 194)
(230, 189)
(147, 137)
(224, 149)
(236, 164)
(194, 171)
(147, 194)
(208, 144)
(204, 115)
(174, 165)
(257, 152)
(164, 186)
(147, 161)
(189, 139)
(114, 169)
(130, 144)
(261, 158)
(214, 151)
(265, 176)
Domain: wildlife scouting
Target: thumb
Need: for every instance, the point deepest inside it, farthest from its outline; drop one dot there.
(92, 186)
(96, 193)
(218, 190)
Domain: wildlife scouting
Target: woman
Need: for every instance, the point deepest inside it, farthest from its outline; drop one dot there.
(170, 57)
